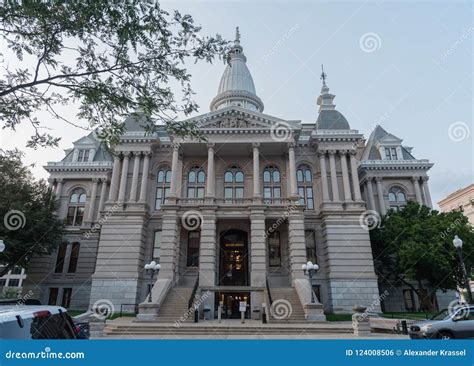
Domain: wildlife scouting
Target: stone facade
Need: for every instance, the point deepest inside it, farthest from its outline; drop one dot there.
(237, 214)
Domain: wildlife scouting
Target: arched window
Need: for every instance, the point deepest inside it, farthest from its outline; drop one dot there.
(196, 182)
(397, 198)
(233, 183)
(271, 183)
(304, 177)
(163, 181)
(75, 211)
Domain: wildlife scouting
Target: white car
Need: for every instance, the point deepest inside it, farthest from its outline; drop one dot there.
(35, 322)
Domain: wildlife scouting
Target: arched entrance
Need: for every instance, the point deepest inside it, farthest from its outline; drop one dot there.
(233, 269)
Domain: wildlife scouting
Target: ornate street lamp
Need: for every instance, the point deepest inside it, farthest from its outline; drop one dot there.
(152, 268)
(2, 246)
(310, 268)
(457, 242)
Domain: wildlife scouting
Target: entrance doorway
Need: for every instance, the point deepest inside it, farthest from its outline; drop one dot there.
(231, 302)
(233, 258)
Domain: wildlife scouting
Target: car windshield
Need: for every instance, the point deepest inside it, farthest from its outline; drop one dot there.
(442, 315)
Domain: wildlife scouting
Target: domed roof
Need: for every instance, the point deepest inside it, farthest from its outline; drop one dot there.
(331, 120)
(236, 87)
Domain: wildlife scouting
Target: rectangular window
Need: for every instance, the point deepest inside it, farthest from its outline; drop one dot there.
(274, 249)
(310, 239)
(309, 198)
(73, 258)
(66, 301)
(157, 246)
(13, 282)
(394, 153)
(387, 154)
(200, 192)
(53, 296)
(60, 258)
(16, 270)
(267, 193)
(228, 193)
(194, 238)
(79, 216)
(3, 282)
(276, 192)
(83, 156)
(191, 193)
(70, 216)
(239, 192)
(301, 194)
(159, 198)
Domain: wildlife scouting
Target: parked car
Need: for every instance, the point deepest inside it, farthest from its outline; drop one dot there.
(36, 322)
(447, 324)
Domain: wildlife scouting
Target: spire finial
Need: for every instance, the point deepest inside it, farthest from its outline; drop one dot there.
(323, 75)
(237, 34)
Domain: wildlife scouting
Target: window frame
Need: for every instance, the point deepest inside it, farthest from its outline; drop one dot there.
(156, 248)
(73, 257)
(305, 186)
(311, 246)
(196, 186)
(162, 186)
(193, 262)
(396, 204)
(76, 207)
(271, 186)
(234, 185)
(277, 236)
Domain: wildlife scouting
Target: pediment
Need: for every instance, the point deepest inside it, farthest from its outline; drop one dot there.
(390, 139)
(239, 118)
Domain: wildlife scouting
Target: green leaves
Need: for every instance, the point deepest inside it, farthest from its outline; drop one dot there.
(112, 58)
(28, 223)
(416, 244)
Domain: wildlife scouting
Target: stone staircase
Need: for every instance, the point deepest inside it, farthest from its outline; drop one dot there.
(175, 306)
(286, 306)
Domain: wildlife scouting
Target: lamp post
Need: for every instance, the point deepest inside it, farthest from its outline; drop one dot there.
(152, 268)
(457, 242)
(310, 268)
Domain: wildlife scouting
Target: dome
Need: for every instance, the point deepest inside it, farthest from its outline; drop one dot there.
(236, 87)
(331, 120)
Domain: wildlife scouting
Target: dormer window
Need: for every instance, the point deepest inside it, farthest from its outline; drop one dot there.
(391, 153)
(83, 155)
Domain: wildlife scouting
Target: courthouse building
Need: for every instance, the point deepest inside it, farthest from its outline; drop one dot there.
(231, 219)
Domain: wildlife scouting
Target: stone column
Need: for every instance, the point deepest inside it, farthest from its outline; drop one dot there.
(59, 187)
(207, 249)
(90, 211)
(174, 172)
(136, 170)
(332, 167)
(114, 183)
(296, 244)
(355, 177)
(103, 190)
(258, 252)
(345, 176)
(378, 182)
(256, 171)
(123, 178)
(144, 186)
(211, 176)
(324, 176)
(292, 172)
(426, 192)
(416, 185)
(370, 194)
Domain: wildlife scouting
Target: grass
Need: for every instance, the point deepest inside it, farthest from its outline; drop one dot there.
(400, 315)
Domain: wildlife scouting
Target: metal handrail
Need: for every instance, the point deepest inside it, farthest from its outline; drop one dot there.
(193, 293)
(268, 291)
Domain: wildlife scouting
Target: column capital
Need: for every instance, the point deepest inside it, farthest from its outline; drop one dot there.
(343, 152)
(104, 181)
(291, 145)
(175, 145)
(332, 152)
(378, 179)
(96, 180)
(126, 154)
(59, 180)
(415, 178)
(211, 145)
(321, 153)
(256, 145)
(425, 178)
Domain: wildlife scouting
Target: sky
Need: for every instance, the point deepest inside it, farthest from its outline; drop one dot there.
(406, 65)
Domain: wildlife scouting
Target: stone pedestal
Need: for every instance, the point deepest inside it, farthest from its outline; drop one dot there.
(96, 326)
(360, 321)
(314, 312)
(147, 311)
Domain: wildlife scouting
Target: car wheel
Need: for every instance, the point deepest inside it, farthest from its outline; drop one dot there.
(445, 335)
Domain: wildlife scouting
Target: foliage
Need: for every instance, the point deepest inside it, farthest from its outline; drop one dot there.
(28, 222)
(113, 58)
(415, 245)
